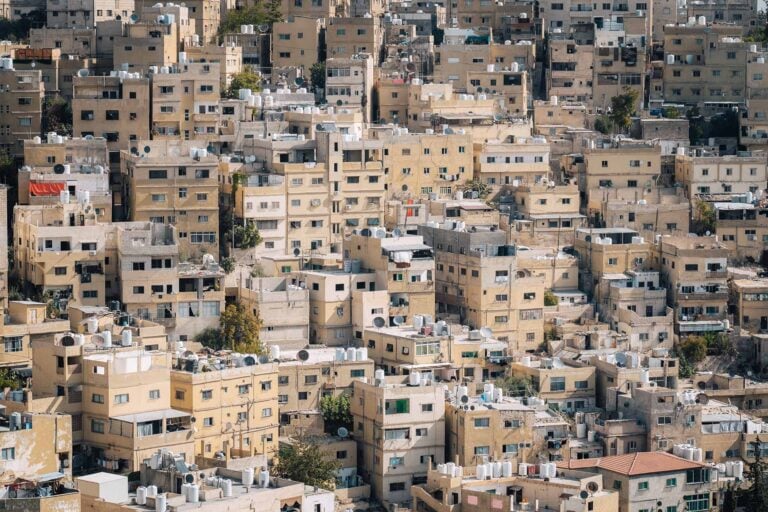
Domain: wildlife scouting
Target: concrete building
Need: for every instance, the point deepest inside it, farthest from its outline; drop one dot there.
(479, 279)
(742, 228)
(22, 97)
(70, 13)
(347, 37)
(296, 42)
(303, 383)
(543, 208)
(571, 57)
(407, 266)
(234, 403)
(25, 324)
(750, 298)
(629, 370)
(563, 384)
(659, 211)
(512, 161)
(349, 82)
(176, 183)
(115, 108)
(228, 58)
(731, 174)
(653, 479)
(694, 270)
(399, 425)
(754, 125)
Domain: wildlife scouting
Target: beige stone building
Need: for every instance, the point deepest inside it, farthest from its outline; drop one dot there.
(327, 372)
(233, 401)
(750, 298)
(545, 208)
(480, 281)
(229, 59)
(563, 384)
(731, 174)
(571, 58)
(346, 37)
(296, 42)
(23, 98)
(349, 82)
(742, 228)
(400, 432)
(695, 270)
(648, 211)
(512, 161)
(25, 324)
(634, 370)
(146, 45)
(70, 13)
(754, 125)
(115, 108)
(176, 183)
(204, 17)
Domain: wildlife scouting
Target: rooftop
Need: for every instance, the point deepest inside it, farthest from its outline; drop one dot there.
(635, 464)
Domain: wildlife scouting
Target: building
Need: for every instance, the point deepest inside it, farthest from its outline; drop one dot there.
(229, 60)
(617, 374)
(479, 280)
(234, 401)
(349, 82)
(694, 270)
(25, 324)
(513, 161)
(704, 173)
(742, 227)
(653, 480)
(176, 183)
(750, 298)
(23, 97)
(296, 42)
(563, 384)
(399, 426)
(754, 127)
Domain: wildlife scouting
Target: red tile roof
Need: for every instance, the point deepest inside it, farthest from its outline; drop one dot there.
(632, 464)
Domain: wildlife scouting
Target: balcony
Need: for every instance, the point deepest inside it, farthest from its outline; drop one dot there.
(717, 274)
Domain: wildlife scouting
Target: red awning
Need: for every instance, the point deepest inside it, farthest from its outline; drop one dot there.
(47, 188)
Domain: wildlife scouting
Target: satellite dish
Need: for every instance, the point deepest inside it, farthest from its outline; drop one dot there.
(583, 495)
(263, 359)
(299, 81)
(228, 426)
(592, 487)
(262, 28)
(147, 149)
(342, 432)
(464, 399)
(189, 478)
(296, 252)
(621, 358)
(486, 332)
(58, 169)
(365, 232)
(187, 354)
(134, 18)
(397, 233)
(249, 361)
(303, 355)
(379, 322)
(67, 341)
(702, 399)
(398, 320)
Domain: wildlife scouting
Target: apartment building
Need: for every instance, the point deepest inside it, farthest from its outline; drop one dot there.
(349, 81)
(478, 279)
(73, 13)
(554, 115)
(296, 42)
(737, 12)
(544, 208)
(37, 462)
(741, 227)
(512, 161)
(204, 17)
(282, 306)
(186, 102)
(618, 164)
(704, 173)
(477, 490)
(502, 428)
(563, 384)
(704, 64)
(173, 14)
(654, 480)
(637, 307)
(629, 370)
(176, 182)
(438, 351)
(326, 372)
(425, 164)
(23, 98)
(256, 46)
(750, 298)
(157, 285)
(696, 276)
(754, 123)
(317, 9)
(659, 211)
(113, 107)
(4, 263)
(609, 251)
(406, 264)
(147, 45)
(229, 59)
(619, 64)
(62, 249)
(233, 400)
(25, 323)
(399, 426)
(571, 56)
(346, 37)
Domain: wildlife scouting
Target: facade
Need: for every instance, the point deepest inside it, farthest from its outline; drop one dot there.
(24, 91)
(564, 385)
(711, 174)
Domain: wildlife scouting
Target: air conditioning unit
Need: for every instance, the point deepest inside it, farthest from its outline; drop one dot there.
(92, 253)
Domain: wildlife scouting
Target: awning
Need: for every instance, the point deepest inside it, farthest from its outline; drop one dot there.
(151, 416)
(48, 188)
(49, 477)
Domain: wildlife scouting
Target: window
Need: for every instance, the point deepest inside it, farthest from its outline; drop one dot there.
(266, 412)
(208, 422)
(396, 486)
(557, 384)
(179, 394)
(97, 426)
(303, 395)
(396, 461)
(427, 408)
(7, 453)
(397, 433)
(13, 343)
(697, 476)
(97, 398)
(642, 486)
(482, 422)
(397, 406)
(122, 398)
(154, 394)
(310, 379)
(243, 389)
(671, 482)
(356, 374)
(581, 384)
(158, 175)
(482, 450)
(207, 394)
(664, 420)
(696, 502)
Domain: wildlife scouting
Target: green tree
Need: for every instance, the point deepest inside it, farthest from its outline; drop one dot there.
(247, 236)
(755, 497)
(622, 108)
(550, 299)
(317, 76)
(57, 116)
(696, 125)
(693, 348)
(248, 78)
(8, 379)
(603, 124)
(262, 13)
(304, 461)
(336, 412)
(705, 217)
(476, 185)
(210, 338)
(515, 386)
(228, 265)
(672, 113)
(19, 29)
(240, 329)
